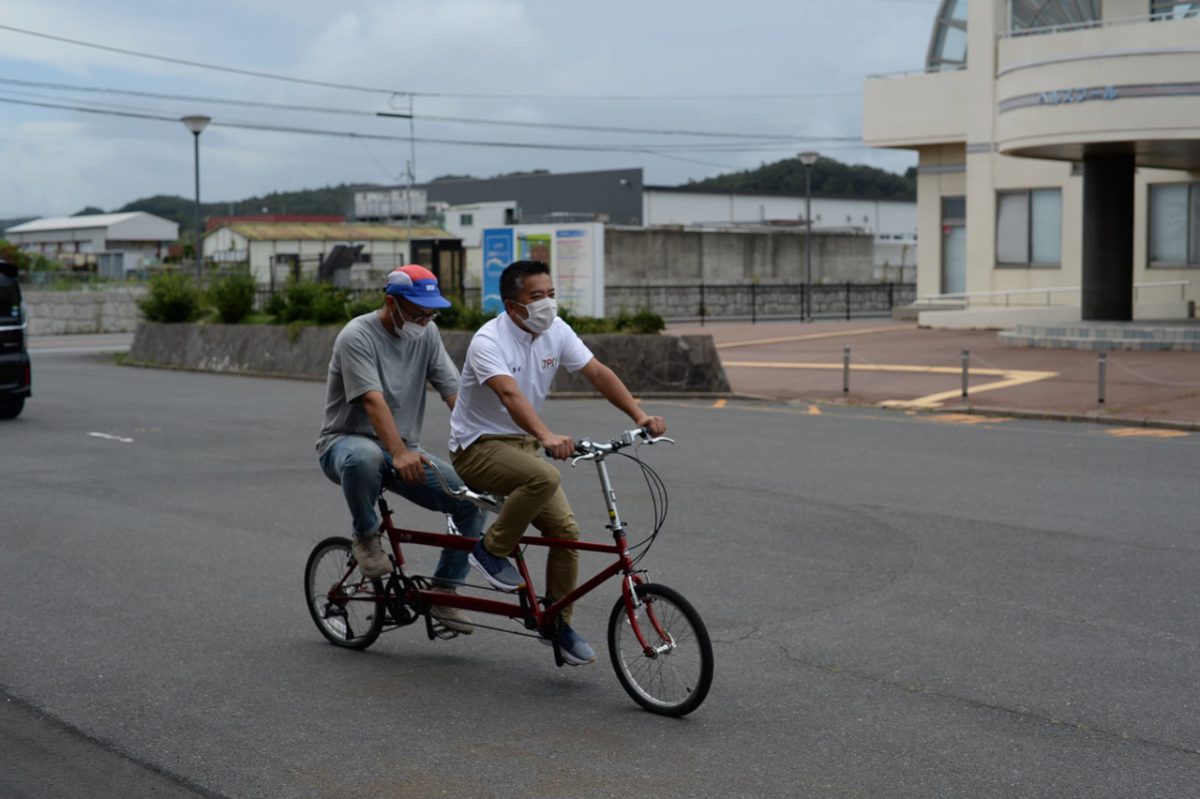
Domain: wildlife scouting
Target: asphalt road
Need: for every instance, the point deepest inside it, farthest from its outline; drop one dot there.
(902, 606)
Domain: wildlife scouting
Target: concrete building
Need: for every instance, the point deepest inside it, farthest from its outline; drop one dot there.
(620, 198)
(1058, 147)
(610, 196)
(112, 244)
(275, 251)
(891, 223)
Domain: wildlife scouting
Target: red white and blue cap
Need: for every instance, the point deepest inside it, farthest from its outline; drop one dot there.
(417, 285)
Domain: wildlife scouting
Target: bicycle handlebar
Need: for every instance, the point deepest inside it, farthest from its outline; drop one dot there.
(478, 498)
(587, 449)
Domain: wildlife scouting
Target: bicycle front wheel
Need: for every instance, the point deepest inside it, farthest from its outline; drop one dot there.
(675, 677)
(347, 607)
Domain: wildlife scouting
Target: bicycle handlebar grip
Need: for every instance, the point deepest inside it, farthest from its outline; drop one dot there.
(578, 451)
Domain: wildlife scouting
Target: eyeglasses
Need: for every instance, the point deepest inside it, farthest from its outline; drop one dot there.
(420, 317)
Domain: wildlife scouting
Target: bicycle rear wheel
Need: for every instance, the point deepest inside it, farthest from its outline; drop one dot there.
(676, 678)
(347, 608)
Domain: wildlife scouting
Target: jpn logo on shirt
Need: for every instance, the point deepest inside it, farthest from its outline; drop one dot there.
(549, 363)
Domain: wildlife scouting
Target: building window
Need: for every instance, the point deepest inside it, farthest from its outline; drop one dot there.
(948, 44)
(466, 220)
(1175, 224)
(1171, 9)
(1029, 228)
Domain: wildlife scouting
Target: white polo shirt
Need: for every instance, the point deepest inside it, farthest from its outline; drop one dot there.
(502, 348)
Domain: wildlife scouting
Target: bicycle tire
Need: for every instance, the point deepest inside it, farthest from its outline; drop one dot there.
(676, 681)
(349, 624)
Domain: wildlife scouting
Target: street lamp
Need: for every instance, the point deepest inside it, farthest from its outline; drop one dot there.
(196, 124)
(808, 159)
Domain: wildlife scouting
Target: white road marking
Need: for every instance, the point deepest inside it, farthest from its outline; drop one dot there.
(108, 437)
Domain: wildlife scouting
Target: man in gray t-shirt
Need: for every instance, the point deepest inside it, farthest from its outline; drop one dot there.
(374, 408)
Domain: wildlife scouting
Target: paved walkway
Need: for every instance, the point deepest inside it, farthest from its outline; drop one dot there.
(897, 364)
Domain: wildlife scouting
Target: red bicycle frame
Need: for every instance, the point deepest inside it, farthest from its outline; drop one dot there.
(529, 611)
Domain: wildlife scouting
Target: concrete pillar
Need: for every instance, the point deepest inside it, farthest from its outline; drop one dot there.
(1108, 238)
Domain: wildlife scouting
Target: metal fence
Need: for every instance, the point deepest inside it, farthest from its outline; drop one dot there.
(736, 301)
(755, 301)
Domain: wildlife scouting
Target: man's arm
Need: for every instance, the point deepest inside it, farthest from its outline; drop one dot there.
(612, 389)
(408, 463)
(522, 412)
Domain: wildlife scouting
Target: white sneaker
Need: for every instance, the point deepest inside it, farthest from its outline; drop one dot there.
(372, 561)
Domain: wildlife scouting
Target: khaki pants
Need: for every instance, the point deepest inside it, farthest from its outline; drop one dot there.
(512, 467)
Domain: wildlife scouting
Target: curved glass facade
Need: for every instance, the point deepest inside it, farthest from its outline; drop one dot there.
(1024, 15)
(948, 44)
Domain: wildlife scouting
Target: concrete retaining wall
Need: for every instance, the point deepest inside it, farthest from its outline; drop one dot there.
(667, 255)
(53, 313)
(647, 364)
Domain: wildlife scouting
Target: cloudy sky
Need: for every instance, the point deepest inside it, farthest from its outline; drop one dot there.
(643, 82)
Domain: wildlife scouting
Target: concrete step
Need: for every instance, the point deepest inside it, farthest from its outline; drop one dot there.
(1183, 336)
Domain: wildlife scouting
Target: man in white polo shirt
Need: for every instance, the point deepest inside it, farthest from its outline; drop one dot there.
(496, 434)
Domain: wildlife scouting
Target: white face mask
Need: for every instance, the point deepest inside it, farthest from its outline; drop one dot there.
(409, 331)
(541, 314)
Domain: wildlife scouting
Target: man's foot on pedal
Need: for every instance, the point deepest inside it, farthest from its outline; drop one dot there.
(454, 619)
(372, 561)
(575, 651)
(499, 572)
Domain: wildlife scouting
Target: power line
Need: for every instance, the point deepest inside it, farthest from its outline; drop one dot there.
(202, 65)
(393, 92)
(782, 144)
(420, 117)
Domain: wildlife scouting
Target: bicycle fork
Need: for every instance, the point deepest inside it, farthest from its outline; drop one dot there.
(633, 602)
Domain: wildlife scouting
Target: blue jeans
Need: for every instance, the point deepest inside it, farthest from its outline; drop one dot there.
(359, 466)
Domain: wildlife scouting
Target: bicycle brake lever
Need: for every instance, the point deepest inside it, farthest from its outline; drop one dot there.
(591, 456)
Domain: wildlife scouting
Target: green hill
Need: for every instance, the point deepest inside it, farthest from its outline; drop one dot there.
(830, 178)
(329, 200)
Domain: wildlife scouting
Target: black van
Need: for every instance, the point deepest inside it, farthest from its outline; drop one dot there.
(14, 359)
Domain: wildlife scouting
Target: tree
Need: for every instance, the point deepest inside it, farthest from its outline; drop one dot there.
(829, 178)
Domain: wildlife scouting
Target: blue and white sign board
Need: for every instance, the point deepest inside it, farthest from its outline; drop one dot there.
(497, 254)
(575, 254)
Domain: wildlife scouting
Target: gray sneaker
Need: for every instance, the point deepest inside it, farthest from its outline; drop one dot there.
(499, 572)
(575, 651)
(368, 551)
(455, 619)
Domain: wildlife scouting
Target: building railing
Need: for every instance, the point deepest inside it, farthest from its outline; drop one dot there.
(1066, 27)
(966, 297)
(729, 301)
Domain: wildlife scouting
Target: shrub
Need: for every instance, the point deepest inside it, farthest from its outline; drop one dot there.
(277, 305)
(171, 297)
(233, 296)
(329, 305)
(643, 321)
(462, 317)
(363, 305)
(305, 301)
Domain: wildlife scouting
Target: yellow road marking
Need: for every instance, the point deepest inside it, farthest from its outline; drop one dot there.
(967, 418)
(1145, 432)
(862, 331)
(813, 410)
(719, 403)
(1008, 378)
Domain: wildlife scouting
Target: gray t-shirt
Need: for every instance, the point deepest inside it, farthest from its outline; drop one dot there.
(366, 357)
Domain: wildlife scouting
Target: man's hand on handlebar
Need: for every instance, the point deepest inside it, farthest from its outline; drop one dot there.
(410, 465)
(558, 447)
(654, 424)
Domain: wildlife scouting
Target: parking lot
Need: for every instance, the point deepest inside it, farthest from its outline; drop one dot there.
(901, 605)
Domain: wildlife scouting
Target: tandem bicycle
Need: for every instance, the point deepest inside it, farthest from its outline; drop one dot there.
(657, 642)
